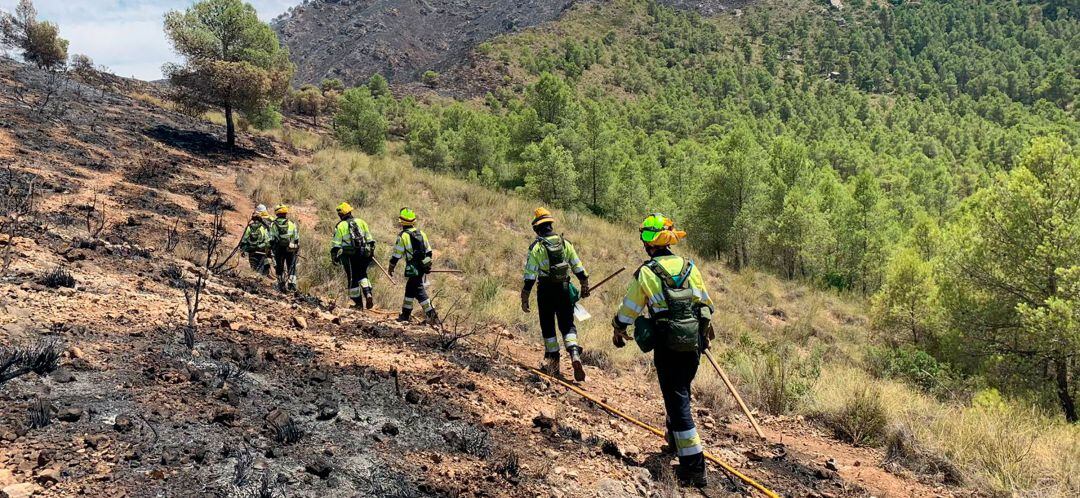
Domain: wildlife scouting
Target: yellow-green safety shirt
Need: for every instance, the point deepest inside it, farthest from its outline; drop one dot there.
(342, 235)
(403, 246)
(537, 264)
(646, 290)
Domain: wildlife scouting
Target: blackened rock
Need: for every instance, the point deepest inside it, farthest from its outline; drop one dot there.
(224, 416)
(70, 414)
(321, 467)
(62, 375)
(390, 429)
(169, 456)
(328, 409)
(122, 423)
(412, 397)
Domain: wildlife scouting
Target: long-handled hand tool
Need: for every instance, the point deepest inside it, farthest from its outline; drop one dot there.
(384, 271)
(446, 270)
(731, 387)
(612, 410)
(604, 281)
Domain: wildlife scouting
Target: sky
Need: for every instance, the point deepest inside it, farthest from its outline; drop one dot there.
(124, 35)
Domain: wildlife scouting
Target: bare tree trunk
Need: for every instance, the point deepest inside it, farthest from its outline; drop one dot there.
(1061, 374)
(230, 127)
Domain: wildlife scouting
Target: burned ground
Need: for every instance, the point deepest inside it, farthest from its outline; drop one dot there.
(275, 395)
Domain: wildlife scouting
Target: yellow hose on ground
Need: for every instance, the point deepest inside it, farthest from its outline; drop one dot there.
(612, 410)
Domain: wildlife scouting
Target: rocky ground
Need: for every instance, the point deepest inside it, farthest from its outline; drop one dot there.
(275, 395)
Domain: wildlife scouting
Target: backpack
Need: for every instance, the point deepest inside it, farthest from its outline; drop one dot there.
(558, 268)
(679, 326)
(256, 237)
(417, 261)
(282, 241)
(358, 240)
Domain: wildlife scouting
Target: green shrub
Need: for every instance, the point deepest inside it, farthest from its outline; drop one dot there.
(911, 365)
(861, 420)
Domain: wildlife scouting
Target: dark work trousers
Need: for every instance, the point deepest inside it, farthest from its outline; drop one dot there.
(415, 293)
(675, 371)
(356, 268)
(553, 305)
(259, 262)
(285, 268)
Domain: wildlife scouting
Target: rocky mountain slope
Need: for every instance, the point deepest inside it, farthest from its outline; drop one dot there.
(353, 39)
(275, 395)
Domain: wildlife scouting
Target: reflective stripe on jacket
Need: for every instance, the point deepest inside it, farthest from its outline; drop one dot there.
(342, 235)
(537, 264)
(646, 290)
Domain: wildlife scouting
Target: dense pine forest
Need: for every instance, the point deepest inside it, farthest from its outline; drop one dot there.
(921, 154)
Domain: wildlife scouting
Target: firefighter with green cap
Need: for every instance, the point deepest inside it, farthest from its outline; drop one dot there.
(285, 245)
(550, 261)
(256, 241)
(676, 328)
(414, 247)
(353, 248)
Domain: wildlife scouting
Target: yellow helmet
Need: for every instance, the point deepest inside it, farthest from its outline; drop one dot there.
(281, 209)
(406, 217)
(542, 215)
(659, 231)
(344, 208)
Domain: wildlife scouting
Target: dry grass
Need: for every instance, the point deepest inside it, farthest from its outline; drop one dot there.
(789, 348)
(1002, 449)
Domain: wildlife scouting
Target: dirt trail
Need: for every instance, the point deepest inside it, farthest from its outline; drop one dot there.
(337, 402)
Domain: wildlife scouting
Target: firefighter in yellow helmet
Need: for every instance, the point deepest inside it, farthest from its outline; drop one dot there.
(285, 245)
(676, 328)
(414, 247)
(550, 261)
(256, 241)
(354, 249)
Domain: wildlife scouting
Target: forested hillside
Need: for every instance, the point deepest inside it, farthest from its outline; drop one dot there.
(874, 150)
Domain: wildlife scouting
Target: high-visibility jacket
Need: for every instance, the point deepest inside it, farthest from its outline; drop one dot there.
(256, 237)
(538, 265)
(343, 236)
(284, 233)
(647, 290)
(403, 248)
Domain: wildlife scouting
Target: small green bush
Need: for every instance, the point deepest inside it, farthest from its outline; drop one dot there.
(862, 420)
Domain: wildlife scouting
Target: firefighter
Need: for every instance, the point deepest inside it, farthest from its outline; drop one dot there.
(414, 247)
(677, 329)
(256, 243)
(550, 261)
(285, 245)
(354, 249)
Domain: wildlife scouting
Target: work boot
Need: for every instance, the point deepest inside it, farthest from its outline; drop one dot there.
(404, 316)
(695, 478)
(358, 303)
(433, 317)
(370, 298)
(551, 365)
(579, 369)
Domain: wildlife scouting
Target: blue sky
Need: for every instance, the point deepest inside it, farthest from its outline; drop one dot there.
(124, 35)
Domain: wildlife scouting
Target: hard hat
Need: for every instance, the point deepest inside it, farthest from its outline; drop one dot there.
(343, 209)
(281, 209)
(541, 216)
(659, 231)
(406, 217)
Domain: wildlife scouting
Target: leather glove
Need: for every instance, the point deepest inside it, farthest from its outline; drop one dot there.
(391, 268)
(710, 333)
(525, 302)
(619, 337)
(585, 291)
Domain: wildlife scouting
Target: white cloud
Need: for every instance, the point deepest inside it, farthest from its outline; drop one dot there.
(125, 35)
